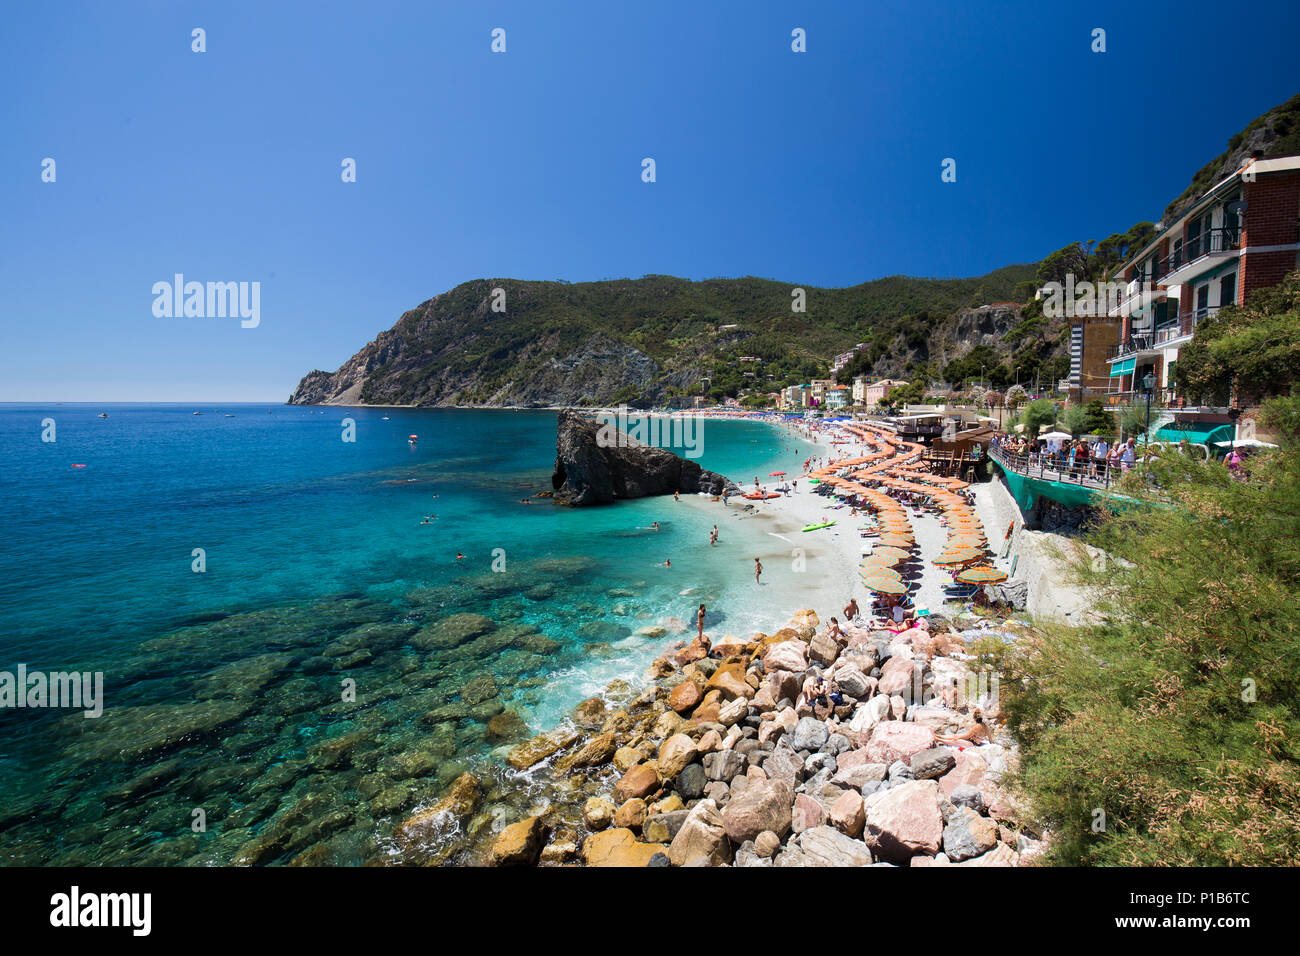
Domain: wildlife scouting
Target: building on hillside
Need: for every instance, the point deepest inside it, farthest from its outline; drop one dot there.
(844, 358)
(1243, 234)
(837, 396)
(877, 393)
(859, 390)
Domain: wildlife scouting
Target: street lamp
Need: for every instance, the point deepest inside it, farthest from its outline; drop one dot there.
(1148, 382)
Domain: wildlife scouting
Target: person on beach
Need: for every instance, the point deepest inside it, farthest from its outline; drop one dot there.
(836, 633)
(979, 734)
(758, 570)
(699, 622)
(851, 609)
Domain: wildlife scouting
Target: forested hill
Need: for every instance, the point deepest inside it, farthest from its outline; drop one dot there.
(647, 340)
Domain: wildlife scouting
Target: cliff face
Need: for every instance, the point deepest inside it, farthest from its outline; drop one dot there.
(588, 474)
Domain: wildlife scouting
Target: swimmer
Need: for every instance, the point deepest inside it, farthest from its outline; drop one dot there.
(459, 556)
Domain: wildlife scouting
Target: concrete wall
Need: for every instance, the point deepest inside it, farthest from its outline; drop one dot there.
(1051, 595)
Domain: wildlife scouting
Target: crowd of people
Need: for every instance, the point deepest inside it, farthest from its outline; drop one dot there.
(1090, 456)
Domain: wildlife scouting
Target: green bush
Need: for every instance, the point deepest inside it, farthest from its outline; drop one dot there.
(1177, 715)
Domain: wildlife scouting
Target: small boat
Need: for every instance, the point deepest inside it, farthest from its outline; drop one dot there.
(385, 419)
(814, 527)
(411, 439)
(755, 496)
(230, 416)
(103, 414)
(198, 413)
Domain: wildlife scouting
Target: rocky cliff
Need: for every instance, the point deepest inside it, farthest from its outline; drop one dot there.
(589, 471)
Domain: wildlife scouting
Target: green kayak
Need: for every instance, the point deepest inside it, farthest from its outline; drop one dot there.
(814, 527)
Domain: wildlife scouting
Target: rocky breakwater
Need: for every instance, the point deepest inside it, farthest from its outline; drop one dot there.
(719, 763)
(593, 466)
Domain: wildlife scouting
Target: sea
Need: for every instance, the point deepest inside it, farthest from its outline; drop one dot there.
(307, 621)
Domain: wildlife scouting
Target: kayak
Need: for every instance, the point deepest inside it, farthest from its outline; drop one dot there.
(755, 496)
(814, 527)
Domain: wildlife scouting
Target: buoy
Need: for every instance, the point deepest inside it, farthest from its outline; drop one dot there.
(78, 466)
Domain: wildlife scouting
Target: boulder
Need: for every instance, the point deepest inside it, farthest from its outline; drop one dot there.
(662, 827)
(826, 846)
(823, 650)
(966, 796)
(933, 763)
(641, 780)
(856, 775)
(702, 839)
(898, 740)
(896, 677)
(723, 765)
(847, 815)
(806, 813)
(631, 815)
(1000, 855)
(691, 781)
(904, 821)
(595, 752)
(784, 765)
(810, 734)
(733, 711)
(764, 805)
(677, 752)
(729, 679)
(685, 696)
(766, 844)
(852, 681)
(968, 835)
(519, 844)
(597, 813)
(618, 847)
(868, 715)
(534, 751)
(968, 770)
(786, 656)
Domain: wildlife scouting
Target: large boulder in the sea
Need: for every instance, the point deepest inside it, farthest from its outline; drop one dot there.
(593, 465)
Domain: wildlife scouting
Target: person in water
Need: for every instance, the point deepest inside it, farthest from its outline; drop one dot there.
(668, 563)
(758, 570)
(654, 525)
(699, 622)
(459, 556)
(676, 496)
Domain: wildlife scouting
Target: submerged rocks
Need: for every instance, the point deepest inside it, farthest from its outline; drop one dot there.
(519, 844)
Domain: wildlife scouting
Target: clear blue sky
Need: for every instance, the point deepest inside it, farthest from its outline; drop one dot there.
(820, 168)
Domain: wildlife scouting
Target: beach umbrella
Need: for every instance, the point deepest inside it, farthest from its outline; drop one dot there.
(895, 540)
(963, 556)
(885, 585)
(775, 474)
(889, 554)
(981, 574)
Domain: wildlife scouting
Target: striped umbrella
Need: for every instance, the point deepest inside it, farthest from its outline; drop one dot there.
(889, 555)
(981, 574)
(883, 583)
(964, 556)
(894, 539)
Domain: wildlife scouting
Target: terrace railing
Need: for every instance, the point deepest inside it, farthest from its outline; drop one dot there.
(1049, 467)
(1207, 243)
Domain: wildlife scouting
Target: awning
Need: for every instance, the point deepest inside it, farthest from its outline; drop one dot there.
(1198, 433)
(1123, 367)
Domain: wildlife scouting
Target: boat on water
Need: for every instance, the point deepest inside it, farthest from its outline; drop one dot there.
(385, 419)
(815, 527)
(411, 439)
(103, 414)
(198, 413)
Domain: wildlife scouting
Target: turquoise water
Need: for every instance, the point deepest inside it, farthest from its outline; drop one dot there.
(224, 690)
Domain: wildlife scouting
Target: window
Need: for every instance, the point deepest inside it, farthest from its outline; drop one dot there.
(1228, 290)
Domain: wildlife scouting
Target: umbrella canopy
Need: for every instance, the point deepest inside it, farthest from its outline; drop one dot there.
(964, 556)
(775, 474)
(884, 583)
(895, 540)
(1058, 436)
(1245, 443)
(981, 574)
(889, 555)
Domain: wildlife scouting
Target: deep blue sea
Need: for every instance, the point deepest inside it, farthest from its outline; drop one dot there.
(225, 689)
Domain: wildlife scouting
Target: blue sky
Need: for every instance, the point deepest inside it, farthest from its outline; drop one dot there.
(820, 168)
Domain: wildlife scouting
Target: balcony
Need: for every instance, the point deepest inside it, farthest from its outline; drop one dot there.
(1212, 244)
(1168, 331)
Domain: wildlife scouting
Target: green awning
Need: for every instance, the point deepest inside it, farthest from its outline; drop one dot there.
(1198, 433)
(1122, 367)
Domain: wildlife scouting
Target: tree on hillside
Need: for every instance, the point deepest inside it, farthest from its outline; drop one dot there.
(1038, 413)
